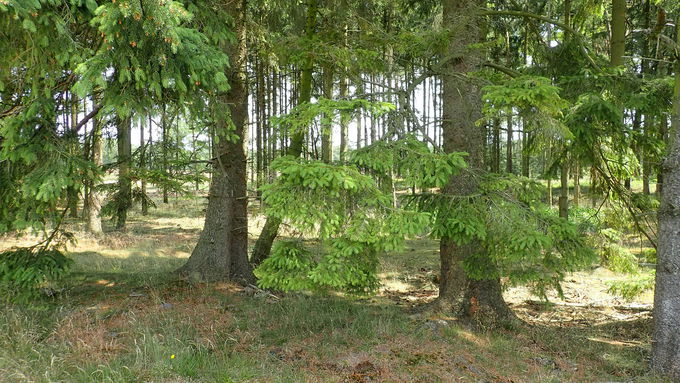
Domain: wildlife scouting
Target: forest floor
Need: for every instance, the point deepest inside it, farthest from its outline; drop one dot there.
(124, 318)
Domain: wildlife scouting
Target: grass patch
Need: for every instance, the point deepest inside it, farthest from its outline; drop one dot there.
(124, 317)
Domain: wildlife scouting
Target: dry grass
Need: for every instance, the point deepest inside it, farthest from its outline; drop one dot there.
(125, 318)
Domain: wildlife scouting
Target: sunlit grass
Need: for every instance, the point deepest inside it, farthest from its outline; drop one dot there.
(124, 316)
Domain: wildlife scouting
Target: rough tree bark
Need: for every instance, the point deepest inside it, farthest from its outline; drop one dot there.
(666, 343)
(222, 249)
(458, 294)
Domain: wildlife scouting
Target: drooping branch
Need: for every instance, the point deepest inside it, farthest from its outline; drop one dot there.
(567, 28)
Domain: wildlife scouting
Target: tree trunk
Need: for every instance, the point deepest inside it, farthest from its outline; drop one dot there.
(644, 156)
(94, 219)
(124, 197)
(327, 124)
(618, 33)
(345, 116)
(525, 150)
(270, 230)
(577, 184)
(359, 91)
(165, 138)
(260, 113)
(496, 146)
(73, 190)
(564, 191)
(142, 165)
(480, 300)
(344, 121)
(508, 152)
(666, 342)
(222, 249)
(663, 132)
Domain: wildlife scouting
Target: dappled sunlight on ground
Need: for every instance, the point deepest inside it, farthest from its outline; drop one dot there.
(127, 311)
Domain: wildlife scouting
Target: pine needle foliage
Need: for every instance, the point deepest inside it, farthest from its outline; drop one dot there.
(350, 217)
(354, 221)
(25, 272)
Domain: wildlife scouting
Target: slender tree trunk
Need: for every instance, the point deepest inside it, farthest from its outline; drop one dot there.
(222, 249)
(274, 112)
(73, 190)
(666, 342)
(577, 184)
(270, 230)
(564, 191)
(327, 124)
(259, 134)
(87, 156)
(496, 146)
(124, 196)
(663, 132)
(508, 153)
(94, 219)
(344, 121)
(480, 300)
(645, 157)
(165, 129)
(345, 117)
(373, 119)
(359, 90)
(142, 165)
(525, 150)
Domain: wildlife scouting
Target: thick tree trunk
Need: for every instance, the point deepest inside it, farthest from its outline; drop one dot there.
(617, 46)
(666, 343)
(264, 242)
(94, 219)
(222, 249)
(465, 297)
(124, 197)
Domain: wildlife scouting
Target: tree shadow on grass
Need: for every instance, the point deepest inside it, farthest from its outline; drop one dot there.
(95, 274)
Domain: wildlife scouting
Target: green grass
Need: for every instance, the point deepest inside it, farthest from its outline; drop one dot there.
(216, 334)
(124, 317)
